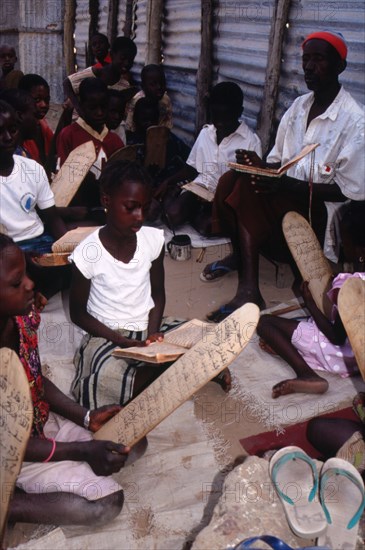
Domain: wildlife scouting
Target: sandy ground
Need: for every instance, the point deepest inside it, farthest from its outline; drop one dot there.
(188, 297)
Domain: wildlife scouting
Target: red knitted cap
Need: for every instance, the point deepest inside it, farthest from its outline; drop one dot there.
(334, 39)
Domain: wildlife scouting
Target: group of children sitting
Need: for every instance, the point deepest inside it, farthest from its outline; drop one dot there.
(117, 291)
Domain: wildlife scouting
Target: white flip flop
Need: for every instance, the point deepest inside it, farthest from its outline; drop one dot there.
(295, 478)
(342, 496)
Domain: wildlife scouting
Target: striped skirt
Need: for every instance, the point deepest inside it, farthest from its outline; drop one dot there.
(102, 379)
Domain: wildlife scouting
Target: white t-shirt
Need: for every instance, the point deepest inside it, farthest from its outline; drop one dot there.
(120, 293)
(210, 159)
(339, 158)
(25, 188)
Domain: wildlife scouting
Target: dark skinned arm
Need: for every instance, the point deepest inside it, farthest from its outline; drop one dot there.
(51, 218)
(79, 295)
(186, 173)
(104, 457)
(335, 332)
(323, 191)
(157, 275)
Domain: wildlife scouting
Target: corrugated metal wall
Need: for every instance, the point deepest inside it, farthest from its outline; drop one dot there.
(181, 50)
(35, 30)
(81, 32)
(140, 38)
(309, 16)
(242, 32)
(103, 16)
(241, 35)
(9, 16)
(121, 18)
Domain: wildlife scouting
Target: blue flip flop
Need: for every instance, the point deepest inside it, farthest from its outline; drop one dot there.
(342, 495)
(219, 314)
(215, 267)
(295, 478)
(274, 543)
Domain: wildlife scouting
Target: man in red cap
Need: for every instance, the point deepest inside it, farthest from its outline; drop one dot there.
(249, 209)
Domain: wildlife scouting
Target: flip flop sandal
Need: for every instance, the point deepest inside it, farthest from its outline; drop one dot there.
(295, 478)
(219, 314)
(274, 543)
(342, 497)
(213, 270)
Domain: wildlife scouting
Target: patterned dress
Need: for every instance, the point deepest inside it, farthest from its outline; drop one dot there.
(29, 356)
(315, 348)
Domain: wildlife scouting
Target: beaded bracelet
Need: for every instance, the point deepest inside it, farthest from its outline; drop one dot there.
(52, 450)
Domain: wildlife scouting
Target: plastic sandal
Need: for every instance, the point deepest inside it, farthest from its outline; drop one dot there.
(293, 471)
(342, 496)
(274, 543)
(219, 314)
(213, 268)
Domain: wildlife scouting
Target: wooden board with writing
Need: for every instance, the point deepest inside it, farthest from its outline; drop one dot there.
(69, 241)
(67, 181)
(16, 417)
(215, 352)
(308, 255)
(351, 306)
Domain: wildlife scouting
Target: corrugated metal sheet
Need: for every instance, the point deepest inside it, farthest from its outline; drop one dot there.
(40, 16)
(41, 42)
(121, 17)
(181, 51)
(103, 16)
(240, 45)
(309, 16)
(9, 17)
(140, 14)
(240, 50)
(81, 32)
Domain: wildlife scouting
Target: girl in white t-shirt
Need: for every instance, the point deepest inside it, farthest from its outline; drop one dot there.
(117, 293)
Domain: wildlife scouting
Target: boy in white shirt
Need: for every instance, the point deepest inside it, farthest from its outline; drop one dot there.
(214, 147)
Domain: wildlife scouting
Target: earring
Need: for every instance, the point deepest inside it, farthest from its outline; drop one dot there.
(105, 210)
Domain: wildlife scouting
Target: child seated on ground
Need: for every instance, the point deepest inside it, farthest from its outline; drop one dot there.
(318, 344)
(90, 126)
(214, 147)
(71, 488)
(117, 292)
(99, 45)
(153, 83)
(38, 88)
(9, 77)
(115, 74)
(26, 120)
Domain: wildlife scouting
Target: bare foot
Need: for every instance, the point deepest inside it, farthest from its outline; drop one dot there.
(224, 380)
(265, 347)
(315, 384)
